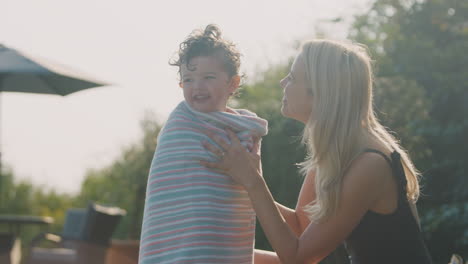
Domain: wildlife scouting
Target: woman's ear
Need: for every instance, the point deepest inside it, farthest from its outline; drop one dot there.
(234, 84)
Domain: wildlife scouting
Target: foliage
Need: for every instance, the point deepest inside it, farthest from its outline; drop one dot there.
(23, 198)
(15, 196)
(123, 183)
(424, 43)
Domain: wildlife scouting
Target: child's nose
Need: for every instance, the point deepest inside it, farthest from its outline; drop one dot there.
(198, 84)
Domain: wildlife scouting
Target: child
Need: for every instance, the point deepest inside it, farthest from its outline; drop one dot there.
(194, 215)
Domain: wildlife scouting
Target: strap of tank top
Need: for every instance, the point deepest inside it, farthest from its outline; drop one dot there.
(399, 171)
(397, 167)
(381, 154)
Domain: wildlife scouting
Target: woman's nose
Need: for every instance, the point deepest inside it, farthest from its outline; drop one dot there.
(282, 82)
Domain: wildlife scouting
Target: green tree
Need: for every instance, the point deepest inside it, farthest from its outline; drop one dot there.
(23, 198)
(424, 43)
(16, 198)
(123, 183)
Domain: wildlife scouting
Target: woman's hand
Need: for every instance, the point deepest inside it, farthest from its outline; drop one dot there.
(243, 166)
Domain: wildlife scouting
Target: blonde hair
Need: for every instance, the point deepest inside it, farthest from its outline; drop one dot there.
(342, 121)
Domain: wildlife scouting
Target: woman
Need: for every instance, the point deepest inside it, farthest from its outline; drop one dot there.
(360, 186)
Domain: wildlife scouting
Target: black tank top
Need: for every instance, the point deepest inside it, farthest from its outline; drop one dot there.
(388, 238)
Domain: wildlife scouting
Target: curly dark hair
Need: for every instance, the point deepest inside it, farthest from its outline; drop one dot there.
(209, 43)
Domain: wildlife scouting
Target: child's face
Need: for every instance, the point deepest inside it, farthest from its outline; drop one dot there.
(206, 84)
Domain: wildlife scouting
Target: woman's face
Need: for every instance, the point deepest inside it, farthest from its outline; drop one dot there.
(297, 100)
(207, 86)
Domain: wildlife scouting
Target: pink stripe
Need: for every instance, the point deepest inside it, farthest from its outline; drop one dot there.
(245, 221)
(185, 150)
(176, 171)
(182, 117)
(199, 244)
(159, 180)
(244, 216)
(228, 121)
(214, 200)
(223, 186)
(183, 143)
(157, 206)
(244, 259)
(171, 162)
(202, 125)
(239, 229)
(237, 210)
(183, 128)
(248, 235)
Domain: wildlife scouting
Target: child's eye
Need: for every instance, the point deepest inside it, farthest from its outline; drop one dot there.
(186, 80)
(210, 77)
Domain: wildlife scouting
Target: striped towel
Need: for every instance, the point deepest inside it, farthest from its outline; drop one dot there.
(192, 214)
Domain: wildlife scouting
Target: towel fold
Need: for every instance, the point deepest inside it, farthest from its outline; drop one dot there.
(192, 213)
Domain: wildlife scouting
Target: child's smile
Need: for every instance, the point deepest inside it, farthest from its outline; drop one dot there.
(207, 86)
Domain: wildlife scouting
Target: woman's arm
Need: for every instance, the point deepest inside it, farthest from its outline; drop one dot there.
(361, 187)
(265, 257)
(297, 218)
(306, 196)
(288, 214)
(290, 217)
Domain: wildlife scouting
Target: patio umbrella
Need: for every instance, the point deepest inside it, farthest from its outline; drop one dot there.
(22, 73)
(27, 74)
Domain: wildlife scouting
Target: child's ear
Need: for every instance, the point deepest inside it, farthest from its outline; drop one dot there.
(234, 84)
(181, 85)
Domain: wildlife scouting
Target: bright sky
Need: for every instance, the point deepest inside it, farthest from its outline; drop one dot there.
(53, 140)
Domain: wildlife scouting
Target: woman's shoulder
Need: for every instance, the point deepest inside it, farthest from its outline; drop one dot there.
(366, 182)
(372, 157)
(371, 169)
